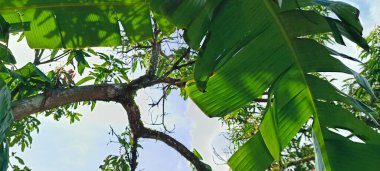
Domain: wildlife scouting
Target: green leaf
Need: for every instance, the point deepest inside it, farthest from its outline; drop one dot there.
(164, 25)
(4, 30)
(267, 54)
(79, 56)
(6, 55)
(253, 155)
(30, 71)
(256, 55)
(88, 24)
(339, 152)
(53, 53)
(199, 156)
(20, 160)
(84, 80)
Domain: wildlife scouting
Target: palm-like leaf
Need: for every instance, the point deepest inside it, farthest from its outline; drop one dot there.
(254, 46)
(246, 47)
(77, 24)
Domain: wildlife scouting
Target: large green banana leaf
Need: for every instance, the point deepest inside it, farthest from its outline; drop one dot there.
(248, 47)
(53, 24)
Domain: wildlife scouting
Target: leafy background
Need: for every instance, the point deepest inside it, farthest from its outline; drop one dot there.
(71, 129)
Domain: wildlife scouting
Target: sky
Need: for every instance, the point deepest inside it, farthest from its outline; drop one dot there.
(84, 145)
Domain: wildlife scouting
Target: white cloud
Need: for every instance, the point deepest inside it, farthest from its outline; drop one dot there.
(374, 10)
(205, 134)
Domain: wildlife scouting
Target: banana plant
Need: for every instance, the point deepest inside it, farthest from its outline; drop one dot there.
(77, 24)
(250, 47)
(246, 48)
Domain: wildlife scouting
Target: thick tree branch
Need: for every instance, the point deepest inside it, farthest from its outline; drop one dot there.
(123, 93)
(103, 92)
(59, 97)
(139, 131)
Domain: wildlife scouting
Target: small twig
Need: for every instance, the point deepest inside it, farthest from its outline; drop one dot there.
(300, 161)
(186, 64)
(55, 58)
(179, 147)
(163, 114)
(176, 64)
(138, 46)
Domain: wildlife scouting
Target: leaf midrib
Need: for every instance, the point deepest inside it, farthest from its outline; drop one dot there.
(294, 54)
(291, 47)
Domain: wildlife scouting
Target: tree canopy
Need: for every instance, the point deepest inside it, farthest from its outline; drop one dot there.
(235, 53)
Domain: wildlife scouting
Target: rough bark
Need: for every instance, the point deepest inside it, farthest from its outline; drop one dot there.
(59, 97)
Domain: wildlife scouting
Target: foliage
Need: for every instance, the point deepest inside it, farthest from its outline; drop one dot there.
(52, 27)
(241, 49)
(370, 69)
(123, 161)
(268, 54)
(244, 123)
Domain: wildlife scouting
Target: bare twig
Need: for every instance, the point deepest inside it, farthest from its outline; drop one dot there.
(176, 64)
(56, 58)
(179, 147)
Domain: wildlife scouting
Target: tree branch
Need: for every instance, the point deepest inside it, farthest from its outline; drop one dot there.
(300, 161)
(139, 131)
(102, 92)
(55, 98)
(179, 147)
(123, 93)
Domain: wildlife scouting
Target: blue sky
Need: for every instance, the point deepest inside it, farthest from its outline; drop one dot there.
(82, 146)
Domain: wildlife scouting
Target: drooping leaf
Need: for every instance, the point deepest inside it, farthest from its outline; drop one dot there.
(340, 152)
(4, 30)
(250, 47)
(28, 80)
(6, 55)
(242, 81)
(84, 80)
(245, 158)
(30, 71)
(79, 56)
(78, 24)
